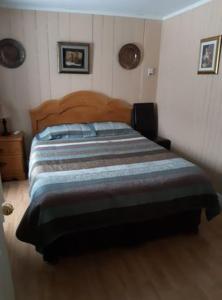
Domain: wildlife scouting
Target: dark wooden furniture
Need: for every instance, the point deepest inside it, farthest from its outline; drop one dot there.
(12, 158)
(162, 142)
(144, 120)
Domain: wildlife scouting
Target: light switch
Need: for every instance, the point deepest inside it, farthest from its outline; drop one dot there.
(150, 72)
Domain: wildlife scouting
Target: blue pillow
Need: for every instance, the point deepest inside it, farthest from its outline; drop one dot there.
(111, 128)
(66, 131)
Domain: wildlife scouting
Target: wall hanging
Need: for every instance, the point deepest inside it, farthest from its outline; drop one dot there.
(73, 57)
(209, 59)
(12, 53)
(129, 56)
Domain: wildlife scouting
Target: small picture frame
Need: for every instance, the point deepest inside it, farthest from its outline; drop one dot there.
(209, 60)
(73, 57)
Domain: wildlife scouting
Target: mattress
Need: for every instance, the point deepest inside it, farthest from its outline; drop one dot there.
(85, 183)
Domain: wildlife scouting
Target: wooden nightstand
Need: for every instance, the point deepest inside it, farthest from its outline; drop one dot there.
(12, 157)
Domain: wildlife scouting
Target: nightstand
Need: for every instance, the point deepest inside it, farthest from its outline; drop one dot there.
(159, 140)
(162, 142)
(12, 157)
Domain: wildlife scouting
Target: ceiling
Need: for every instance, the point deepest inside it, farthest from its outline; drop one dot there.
(154, 9)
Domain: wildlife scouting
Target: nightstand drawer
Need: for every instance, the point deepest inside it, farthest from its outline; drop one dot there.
(12, 167)
(10, 148)
(13, 175)
(12, 157)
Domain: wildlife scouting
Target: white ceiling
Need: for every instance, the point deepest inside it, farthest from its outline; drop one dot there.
(155, 9)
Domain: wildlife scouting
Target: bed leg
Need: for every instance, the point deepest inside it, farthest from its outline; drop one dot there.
(195, 230)
(50, 258)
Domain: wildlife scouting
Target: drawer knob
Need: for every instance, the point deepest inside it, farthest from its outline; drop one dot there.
(7, 209)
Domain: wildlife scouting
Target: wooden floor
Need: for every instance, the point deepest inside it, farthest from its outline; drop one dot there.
(181, 267)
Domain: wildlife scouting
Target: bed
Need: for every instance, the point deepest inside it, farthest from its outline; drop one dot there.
(100, 181)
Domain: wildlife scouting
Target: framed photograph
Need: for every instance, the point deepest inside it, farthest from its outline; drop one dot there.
(210, 49)
(73, 57)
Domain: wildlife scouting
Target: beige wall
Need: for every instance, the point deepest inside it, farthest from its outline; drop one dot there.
(190, 105)
(38, 79)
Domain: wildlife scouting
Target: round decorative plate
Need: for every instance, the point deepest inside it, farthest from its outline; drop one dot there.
(12, 53)
(129, 56)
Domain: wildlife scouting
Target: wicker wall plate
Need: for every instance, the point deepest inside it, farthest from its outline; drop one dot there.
(12, 53)
(129, 56)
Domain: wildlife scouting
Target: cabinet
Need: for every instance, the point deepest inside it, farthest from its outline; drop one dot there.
(12, 157)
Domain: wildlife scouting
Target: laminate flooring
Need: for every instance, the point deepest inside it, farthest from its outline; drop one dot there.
(181, 267)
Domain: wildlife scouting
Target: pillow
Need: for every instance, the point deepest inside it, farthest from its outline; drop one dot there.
(66, 131)
(111, 128)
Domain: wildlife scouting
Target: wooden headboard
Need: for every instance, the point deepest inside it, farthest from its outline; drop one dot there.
(79, 107)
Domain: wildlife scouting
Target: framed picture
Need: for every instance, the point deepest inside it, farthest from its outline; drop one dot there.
(73, 57)
(210, 49)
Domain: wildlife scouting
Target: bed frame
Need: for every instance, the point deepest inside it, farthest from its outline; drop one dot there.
(80, 107)
(88, 106)
(125, 235)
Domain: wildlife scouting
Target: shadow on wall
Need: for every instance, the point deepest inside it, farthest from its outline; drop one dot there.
(215, 176)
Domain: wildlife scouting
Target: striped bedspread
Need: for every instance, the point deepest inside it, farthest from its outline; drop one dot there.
(94, 182)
